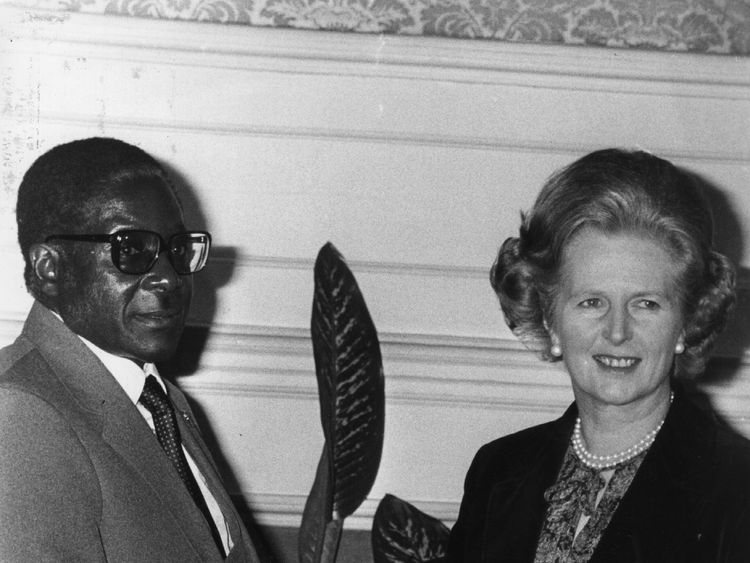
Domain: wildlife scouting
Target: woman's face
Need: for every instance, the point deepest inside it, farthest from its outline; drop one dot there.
(617, 318)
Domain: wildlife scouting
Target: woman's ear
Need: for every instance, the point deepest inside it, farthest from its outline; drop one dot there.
(555, 348)
(45, 261)
(680, 346)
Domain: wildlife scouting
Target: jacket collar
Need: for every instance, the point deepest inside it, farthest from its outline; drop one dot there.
(81, 379)
(75, 367)
(673, 474)
(518, 500)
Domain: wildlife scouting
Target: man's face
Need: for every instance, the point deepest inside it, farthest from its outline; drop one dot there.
(140, 317)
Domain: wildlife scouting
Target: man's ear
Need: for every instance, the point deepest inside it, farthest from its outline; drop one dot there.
(45, 265)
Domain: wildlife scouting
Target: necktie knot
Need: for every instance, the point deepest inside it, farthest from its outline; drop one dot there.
(154, 398)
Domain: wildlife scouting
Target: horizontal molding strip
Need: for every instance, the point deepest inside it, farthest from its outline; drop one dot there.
(383, 268)
(387, 268)
(291, 385)
(444, 349)
(286, 510)
(494, 144)
(415, 57)
(231, 341)
(243, 260)
(462, 371)
(469, 372)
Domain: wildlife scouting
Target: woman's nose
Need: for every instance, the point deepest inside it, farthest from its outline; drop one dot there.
(618, 326)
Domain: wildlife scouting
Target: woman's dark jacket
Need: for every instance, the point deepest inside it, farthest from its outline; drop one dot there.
(688, 503)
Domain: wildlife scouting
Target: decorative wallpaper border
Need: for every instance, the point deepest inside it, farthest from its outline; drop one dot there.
(701, 26)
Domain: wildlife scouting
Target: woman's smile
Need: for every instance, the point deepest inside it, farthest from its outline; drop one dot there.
(616, 362)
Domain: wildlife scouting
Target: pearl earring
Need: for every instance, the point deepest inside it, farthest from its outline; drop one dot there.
(679, 348)
(555, 350)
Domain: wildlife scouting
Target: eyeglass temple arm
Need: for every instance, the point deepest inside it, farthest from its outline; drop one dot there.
(91, 238)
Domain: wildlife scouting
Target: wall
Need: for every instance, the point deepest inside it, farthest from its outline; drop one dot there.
(414, 157)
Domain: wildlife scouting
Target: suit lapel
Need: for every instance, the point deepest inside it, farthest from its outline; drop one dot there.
(202, 457)
(120, 424)
(129, 435)
(516, 508)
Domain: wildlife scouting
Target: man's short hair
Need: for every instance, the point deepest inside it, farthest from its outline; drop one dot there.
(58, 190)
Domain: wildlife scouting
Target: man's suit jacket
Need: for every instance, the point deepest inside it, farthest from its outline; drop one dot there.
(82, 476)
(689, 501)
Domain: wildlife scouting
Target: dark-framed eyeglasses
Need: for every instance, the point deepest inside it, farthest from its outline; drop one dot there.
(135, 251)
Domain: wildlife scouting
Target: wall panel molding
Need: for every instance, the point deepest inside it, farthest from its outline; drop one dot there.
(78, 40)
(698, 154)
(421, 369)
(287, 50)
(450, 377)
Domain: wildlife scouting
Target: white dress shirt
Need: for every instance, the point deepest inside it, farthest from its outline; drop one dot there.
(132, 380)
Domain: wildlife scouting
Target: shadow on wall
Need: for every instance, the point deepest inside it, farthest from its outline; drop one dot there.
(186, 360)
(207, 283)
(729, 240)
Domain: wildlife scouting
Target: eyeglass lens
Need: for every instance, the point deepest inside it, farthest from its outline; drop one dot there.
(135, 252)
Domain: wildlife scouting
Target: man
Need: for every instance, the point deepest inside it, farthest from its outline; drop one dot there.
(100, 459)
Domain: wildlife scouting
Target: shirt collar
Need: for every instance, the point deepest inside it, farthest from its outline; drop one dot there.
(125, 371)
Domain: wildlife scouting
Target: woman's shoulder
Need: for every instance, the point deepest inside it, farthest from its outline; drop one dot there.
(526, 439)
(732, 450)
(700, 420)
(526, 447)
(703, 438)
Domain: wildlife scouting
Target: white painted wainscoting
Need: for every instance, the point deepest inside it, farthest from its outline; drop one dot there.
(414, 157)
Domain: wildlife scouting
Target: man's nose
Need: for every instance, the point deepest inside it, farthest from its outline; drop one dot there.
(162, 275)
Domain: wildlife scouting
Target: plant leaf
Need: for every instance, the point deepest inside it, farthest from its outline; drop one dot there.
(401, 533)
(318, 512)
(349, 370)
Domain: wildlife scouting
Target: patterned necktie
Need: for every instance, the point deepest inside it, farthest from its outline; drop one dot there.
(168, 434)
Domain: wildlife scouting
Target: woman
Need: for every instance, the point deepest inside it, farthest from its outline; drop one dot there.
(613, 273)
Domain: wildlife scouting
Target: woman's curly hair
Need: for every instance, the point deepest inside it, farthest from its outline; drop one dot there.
(616, 191)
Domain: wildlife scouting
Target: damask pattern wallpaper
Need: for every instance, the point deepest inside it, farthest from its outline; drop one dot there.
(705, 26)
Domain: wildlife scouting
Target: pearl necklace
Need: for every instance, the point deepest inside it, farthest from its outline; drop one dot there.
(608, 461)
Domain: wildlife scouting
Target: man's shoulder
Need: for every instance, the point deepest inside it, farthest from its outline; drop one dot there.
(44, 345)
(36, 327)
(15, 358)
(24, 384)
(29, 399)
(25, 369)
